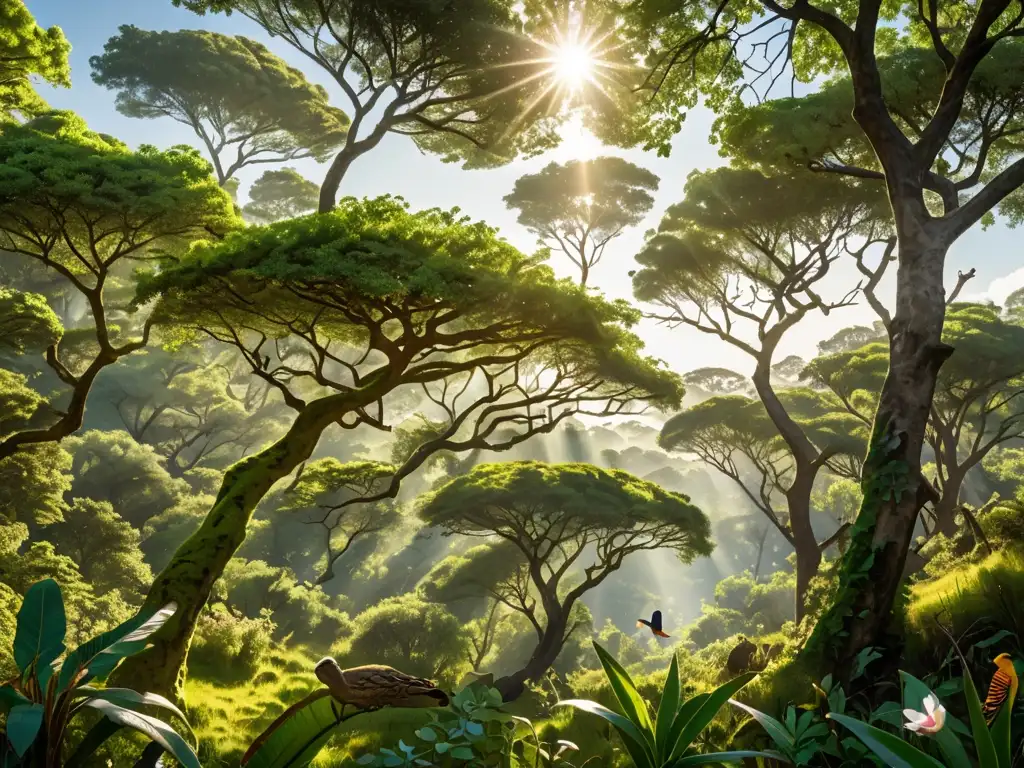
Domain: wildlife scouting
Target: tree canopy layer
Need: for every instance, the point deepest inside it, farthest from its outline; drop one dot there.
(978, 403)
(26, 49)
(581, 206)
(282, 194)
(244, 103)
(337, 311)
(574, 524)
(457, 75)
(80, 204)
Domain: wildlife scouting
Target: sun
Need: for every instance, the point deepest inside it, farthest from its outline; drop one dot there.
(574, 64)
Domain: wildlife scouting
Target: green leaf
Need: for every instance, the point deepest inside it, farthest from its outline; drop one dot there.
(774, 728)
(683, 716)
(1001, 733)
(129, 699)
(463, 753)
(156, 730)
(41, 627)
(93, 740)
(426, 734)
(722, 757)
(667, 708)
(10, 698)
(893, 750)
(632, 738)
(23, 724)
(296, 737)
(983, 743)
(104, 652)
(633, 705)
(707, 711)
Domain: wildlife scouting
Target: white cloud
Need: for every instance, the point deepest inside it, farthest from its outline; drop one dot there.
(1000, 288)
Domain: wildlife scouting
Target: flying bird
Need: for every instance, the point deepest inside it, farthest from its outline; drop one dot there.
(1004, 685)
(654, 624)
(375, 685)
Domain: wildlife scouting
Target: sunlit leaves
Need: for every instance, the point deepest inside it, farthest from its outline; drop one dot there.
(28, 50)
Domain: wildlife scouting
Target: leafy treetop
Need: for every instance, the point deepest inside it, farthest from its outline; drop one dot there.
(281, 194)
(27, 49)
(245, 104)
(580, 206)
(456, 75)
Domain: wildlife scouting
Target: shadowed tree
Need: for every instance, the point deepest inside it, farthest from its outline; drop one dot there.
(112, 467)
(105, 547)
(245, 104)
(28, 50)
(372, 299)
(581, 206)
(27, 324)
(411, 634)
(315, 502)
(574, 524)
(137, 205)
(736, 436)
(281, 194)
(924, 99)
(978, 403)
(456, 75)
(741, 259)
(469, 585)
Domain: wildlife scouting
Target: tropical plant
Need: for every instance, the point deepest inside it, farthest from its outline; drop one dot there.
(668, 739)
(43, 699)
(470, 731)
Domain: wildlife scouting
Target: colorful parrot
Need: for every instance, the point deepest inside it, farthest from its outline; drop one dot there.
(654, 624)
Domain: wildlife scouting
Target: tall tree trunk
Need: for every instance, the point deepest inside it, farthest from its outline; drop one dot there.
(544, 655)
(808, 554)
(188, 579)
(332, 180)
(947, 505)
(894, 489)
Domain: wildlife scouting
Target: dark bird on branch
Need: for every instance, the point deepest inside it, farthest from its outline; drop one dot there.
(654, 624)
(374, 686)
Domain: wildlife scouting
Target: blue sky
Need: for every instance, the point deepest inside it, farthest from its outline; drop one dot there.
(396, 166)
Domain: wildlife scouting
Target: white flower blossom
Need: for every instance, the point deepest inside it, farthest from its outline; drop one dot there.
(929, 721)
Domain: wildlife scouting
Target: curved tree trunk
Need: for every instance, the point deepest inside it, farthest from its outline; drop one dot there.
(544, 655)
(188, 579)
(948, 503)
(894, 489)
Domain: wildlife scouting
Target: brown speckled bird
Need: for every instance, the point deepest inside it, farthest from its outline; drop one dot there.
(374, 686)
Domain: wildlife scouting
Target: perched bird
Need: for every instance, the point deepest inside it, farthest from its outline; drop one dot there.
(654, 624)
(1003, 686)
(375, 686)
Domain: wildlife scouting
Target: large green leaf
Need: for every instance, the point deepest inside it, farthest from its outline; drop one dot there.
(775, 729)
(983, 743)
(10, 698)
(667, 709)
(707, 711)
(683, 716)
(629, 698)
(23, 724)
(727, 758)
(129, 699)
(894, 751)
(296, 737)
(41, 627)
(104, 652)
(914, 694)
(1001, 732)
(155, 730)
(632, 738)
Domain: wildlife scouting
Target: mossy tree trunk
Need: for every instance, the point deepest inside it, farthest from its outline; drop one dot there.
(894, 488)
(189, 578)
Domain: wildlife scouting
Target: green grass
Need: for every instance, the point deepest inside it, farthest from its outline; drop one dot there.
(991, 591)
(227, 716)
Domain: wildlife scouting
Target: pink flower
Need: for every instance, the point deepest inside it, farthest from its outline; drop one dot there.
(929, 721)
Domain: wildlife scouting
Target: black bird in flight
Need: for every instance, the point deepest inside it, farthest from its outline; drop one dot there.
(654, 624)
